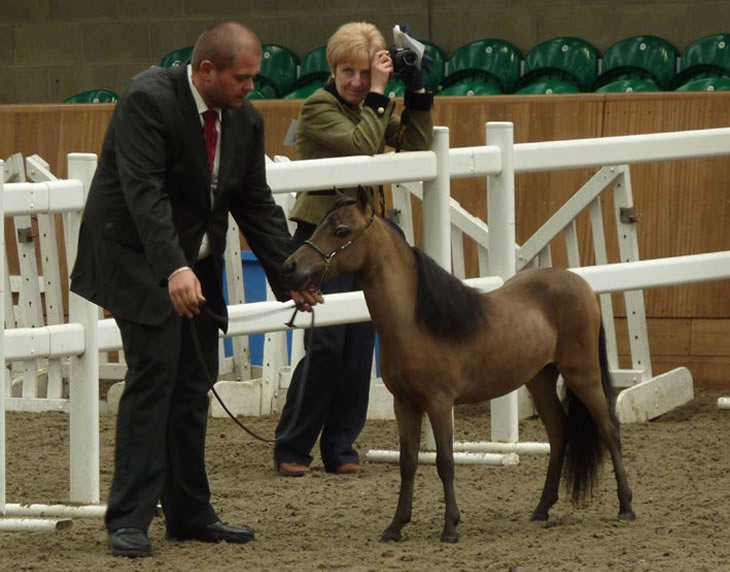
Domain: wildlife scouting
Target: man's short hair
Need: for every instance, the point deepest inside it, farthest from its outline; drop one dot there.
(222, 42)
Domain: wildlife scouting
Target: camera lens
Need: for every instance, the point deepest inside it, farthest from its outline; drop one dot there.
(409, 58)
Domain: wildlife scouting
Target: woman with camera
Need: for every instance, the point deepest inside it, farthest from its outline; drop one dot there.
(351, 115)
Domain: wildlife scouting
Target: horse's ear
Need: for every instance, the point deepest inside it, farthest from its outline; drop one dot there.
(365, 197)
(338, 193)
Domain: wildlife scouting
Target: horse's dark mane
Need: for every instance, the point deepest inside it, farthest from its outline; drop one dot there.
(444, 305)
(395, 228)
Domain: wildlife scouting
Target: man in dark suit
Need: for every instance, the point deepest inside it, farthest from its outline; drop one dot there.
(184, 148)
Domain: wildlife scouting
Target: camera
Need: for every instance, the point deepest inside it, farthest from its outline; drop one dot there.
(403, 58)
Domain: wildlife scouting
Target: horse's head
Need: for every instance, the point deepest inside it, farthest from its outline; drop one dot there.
(336, 246)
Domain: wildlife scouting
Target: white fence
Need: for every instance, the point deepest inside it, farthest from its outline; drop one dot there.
(86, 335)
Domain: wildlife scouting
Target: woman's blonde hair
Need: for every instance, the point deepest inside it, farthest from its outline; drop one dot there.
(353, 41)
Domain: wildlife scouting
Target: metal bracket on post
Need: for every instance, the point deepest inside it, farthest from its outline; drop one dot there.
(628, 215)
(26, 234)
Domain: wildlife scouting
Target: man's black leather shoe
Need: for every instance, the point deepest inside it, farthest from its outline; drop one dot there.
(215, 532)
(130, 542)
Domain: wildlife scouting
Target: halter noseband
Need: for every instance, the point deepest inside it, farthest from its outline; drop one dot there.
(329, 257)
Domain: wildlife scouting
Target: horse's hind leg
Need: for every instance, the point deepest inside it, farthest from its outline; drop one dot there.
(548, 406)
(443, 431)
(409, 428)
(598, 405)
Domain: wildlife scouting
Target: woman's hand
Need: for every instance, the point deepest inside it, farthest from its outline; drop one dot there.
(381, 71)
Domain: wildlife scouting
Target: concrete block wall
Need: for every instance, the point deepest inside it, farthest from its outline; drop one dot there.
(51, 49)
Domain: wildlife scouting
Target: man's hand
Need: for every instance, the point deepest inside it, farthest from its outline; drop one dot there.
(185, 292)
(305, 299)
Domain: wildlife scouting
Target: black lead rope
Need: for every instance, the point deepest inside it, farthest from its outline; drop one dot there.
(201, 359)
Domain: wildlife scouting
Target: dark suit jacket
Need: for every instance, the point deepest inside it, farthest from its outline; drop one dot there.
(149, 203)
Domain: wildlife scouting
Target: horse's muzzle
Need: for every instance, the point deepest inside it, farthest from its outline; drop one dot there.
(293, 276)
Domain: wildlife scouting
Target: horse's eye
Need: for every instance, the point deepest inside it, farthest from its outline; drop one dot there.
(342, 231)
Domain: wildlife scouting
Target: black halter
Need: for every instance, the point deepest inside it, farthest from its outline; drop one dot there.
(329, 257)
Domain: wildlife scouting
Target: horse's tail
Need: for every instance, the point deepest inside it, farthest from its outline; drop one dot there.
(584, 450)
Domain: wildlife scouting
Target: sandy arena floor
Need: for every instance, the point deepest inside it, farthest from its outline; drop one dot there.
(678, 466)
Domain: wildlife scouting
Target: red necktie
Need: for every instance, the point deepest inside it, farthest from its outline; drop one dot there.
(210, 132)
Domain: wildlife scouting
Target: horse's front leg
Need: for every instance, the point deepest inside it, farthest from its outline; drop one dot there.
(409, 428)
(443, 432)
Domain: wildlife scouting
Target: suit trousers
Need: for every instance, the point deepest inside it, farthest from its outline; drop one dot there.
(333, 399)
(161, 425)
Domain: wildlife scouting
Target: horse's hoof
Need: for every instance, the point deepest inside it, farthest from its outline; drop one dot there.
(539, 517)
(627, 516)
(389, 536)
(450, 538)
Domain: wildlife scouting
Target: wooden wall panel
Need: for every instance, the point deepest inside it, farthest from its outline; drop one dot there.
(684, 204)
(709, 372)
(667, 336)
(701, 345)
(53, 131)
(710, 337)
(278, 115)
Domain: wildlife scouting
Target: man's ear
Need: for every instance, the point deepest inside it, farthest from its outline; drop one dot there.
(206, 68)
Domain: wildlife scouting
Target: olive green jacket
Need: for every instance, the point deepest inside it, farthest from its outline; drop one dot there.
(328, 126)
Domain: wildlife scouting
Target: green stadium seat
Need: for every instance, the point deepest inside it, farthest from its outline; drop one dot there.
(265, 88)
(471, 86)
(645, 56)
(258, 94)
(628, 85)
(548, 86)
(706, 84)
(495, 60)
(395, 88)
(706, 57)
(565, 58)
(177, 57)
(314, 67)
(279, 68)
(305, 90)
(314, 62)
(93, 96)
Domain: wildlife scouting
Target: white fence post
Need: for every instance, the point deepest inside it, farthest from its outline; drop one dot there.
(628, 246)
(502, 257)
(84, 413)
(3, 387)
(84, 386)
(81, 166)
(436, 195)
(241, 358)
(437, 223)
(37, 171)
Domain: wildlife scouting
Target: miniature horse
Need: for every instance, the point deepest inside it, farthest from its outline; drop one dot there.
(443, 343)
